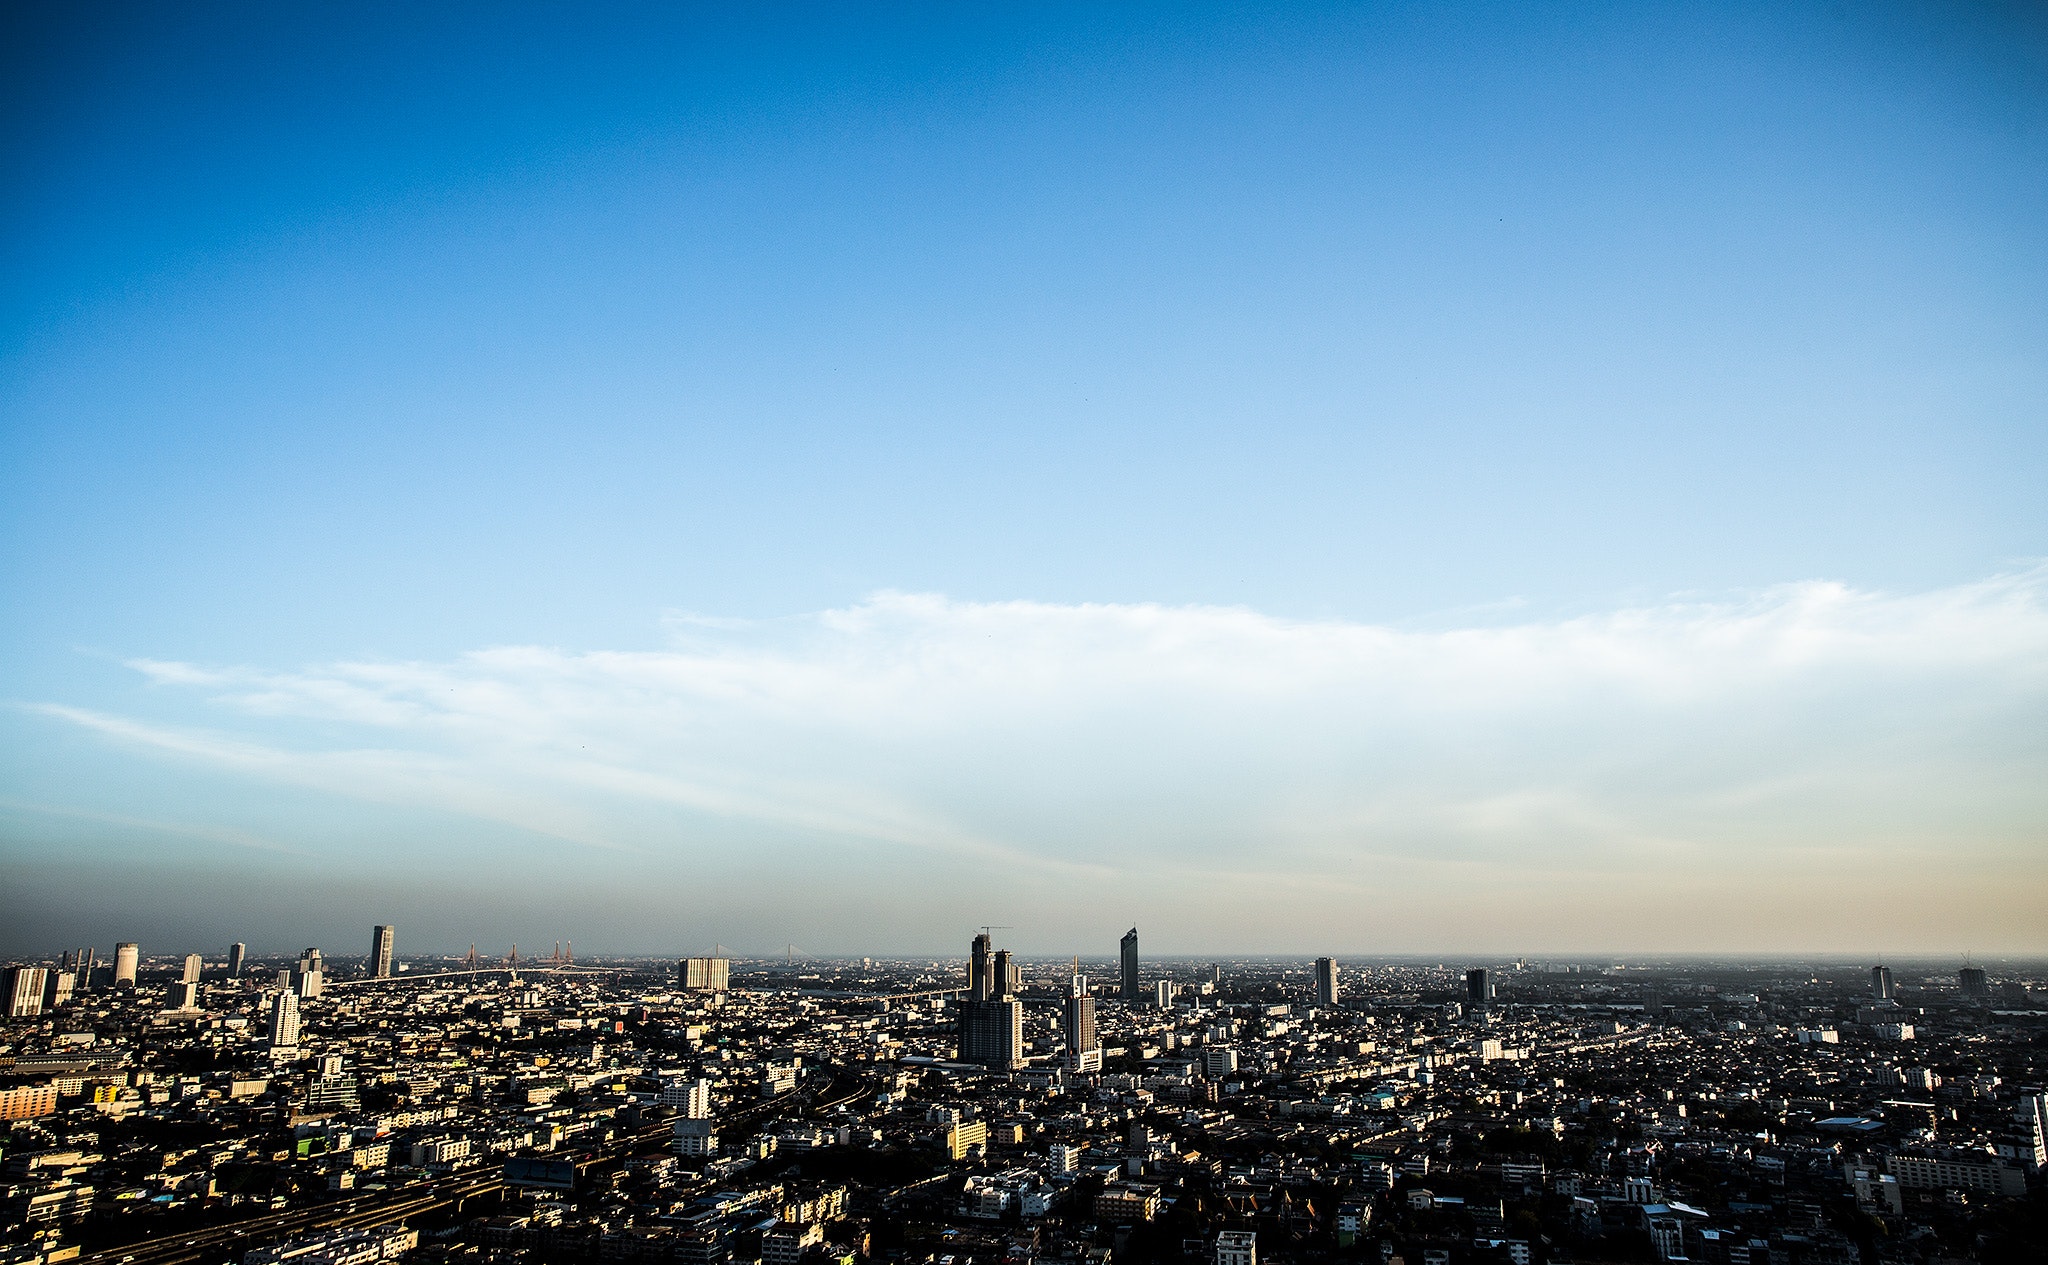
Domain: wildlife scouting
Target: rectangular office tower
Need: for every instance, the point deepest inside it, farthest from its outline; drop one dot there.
(1478, 988)
(704, 975)
(1084, 1048)
(1974, 982)
(238, 953)
(309, 977)
(284, 1020)
(380, 951)
(1326, 981)
(25, 985)
(1881, 983)
(992, 1032)
(127, 957)
(1128, 954)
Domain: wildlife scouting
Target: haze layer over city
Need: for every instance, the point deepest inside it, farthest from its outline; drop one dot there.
(1024, 635)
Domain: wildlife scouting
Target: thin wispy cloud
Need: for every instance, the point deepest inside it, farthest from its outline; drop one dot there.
(1098, 737)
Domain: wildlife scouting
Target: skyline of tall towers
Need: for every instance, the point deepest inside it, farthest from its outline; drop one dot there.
(1881, 986)
(991, 1018)
(381, 937)
(127, 956)
(1128, 958)
(1326, 981)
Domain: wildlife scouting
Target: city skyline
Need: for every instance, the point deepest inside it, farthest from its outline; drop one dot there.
(1513, 480)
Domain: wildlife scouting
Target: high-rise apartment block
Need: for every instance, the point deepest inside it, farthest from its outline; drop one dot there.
(127, 957)
(1084, 1047)
(24, 991)
(1162, 994)
(381, 937)
(1974, 982)
(284, 1021)
(1326, 981)
(309, 977)
(194, 967)
(1881, 983)
(704, 975)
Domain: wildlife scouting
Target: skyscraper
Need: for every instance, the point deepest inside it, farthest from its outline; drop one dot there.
(992, 1032)
(284, 1020)
(1881, 983)
(309, 977)
(704, 975)
(24, 991)
(126, 958)
(1162, 994)
(237, 954)
(991, 1020)
(1129, 957)
(980, 985)
(1478, 988)
(1326, 981)
(194, 966)
(380, 951)
(1084, 1048)
(1975, 983)
(1007, 977)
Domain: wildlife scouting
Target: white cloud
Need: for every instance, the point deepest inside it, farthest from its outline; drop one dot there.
(1801, 727)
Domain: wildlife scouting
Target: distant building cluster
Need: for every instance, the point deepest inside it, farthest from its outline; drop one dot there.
(285, 1110)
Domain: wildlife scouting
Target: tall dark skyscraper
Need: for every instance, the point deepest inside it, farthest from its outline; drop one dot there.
(238, 953)
(1974, 982)
(980, 982)
(380, 951)
(1478, 988)
(1129, 947)
(1326, 981)
(1881, 983)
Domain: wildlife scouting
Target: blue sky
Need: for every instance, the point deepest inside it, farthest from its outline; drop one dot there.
(858, 420)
